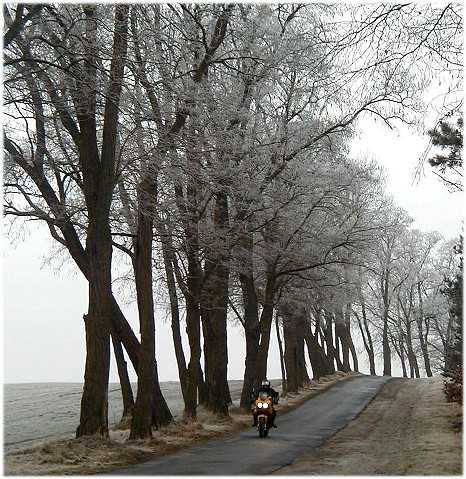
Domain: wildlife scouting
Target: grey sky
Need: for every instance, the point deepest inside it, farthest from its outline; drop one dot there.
(43, 308)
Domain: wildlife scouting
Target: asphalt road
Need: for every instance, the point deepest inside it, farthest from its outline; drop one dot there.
(298, 431)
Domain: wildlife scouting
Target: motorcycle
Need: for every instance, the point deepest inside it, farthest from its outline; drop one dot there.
(263, 406)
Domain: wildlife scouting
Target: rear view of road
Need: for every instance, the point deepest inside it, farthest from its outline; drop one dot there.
(298, 431)
(407, 430)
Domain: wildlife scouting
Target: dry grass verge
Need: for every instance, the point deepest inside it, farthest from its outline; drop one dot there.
(91, 455)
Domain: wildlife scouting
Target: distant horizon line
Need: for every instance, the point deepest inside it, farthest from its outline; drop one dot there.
(112, 382)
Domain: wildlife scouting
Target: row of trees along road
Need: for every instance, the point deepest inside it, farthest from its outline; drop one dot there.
(211, 141)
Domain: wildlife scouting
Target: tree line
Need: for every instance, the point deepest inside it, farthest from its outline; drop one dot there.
(206, 148)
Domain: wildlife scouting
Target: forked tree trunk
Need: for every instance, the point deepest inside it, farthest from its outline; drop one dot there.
(98, 182)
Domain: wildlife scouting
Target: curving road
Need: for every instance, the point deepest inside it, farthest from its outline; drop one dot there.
(298, 431)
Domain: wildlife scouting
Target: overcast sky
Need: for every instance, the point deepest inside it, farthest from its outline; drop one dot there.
(44, 305)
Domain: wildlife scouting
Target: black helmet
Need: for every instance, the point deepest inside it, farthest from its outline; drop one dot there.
(265, 383)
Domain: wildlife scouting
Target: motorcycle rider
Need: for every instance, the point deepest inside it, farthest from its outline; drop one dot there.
(265, 387)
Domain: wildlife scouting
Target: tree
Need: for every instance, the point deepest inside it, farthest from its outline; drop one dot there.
(448, 167)
(66, 139)
(212, 140)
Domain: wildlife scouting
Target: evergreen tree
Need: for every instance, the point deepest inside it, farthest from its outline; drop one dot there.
(454, 292)
(449, 166)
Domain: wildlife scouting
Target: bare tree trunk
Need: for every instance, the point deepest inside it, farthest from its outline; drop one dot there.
(98, 181)
(422, 337)
(320, 363)
(342, 334)
(94, 401)
(189, 376)
(192, 288)
(215, 307)
(402, 358)
(201, 386)
(302, 375)
(252, 336)
(141, 426)
(161, 415)
(207, 341)
(328, 333)
(126, 390)
(291, 352)
(168, 258)
(282, 361)
(411, 355)
(251, 320)
(387, 354)
(349, 338)
(266, 326)
(367, 346)
(193, 330)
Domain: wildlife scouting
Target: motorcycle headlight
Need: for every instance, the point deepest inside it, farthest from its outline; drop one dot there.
(265, 405)
(259, 405)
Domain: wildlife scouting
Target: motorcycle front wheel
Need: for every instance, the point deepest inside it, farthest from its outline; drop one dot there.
(261, 430)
